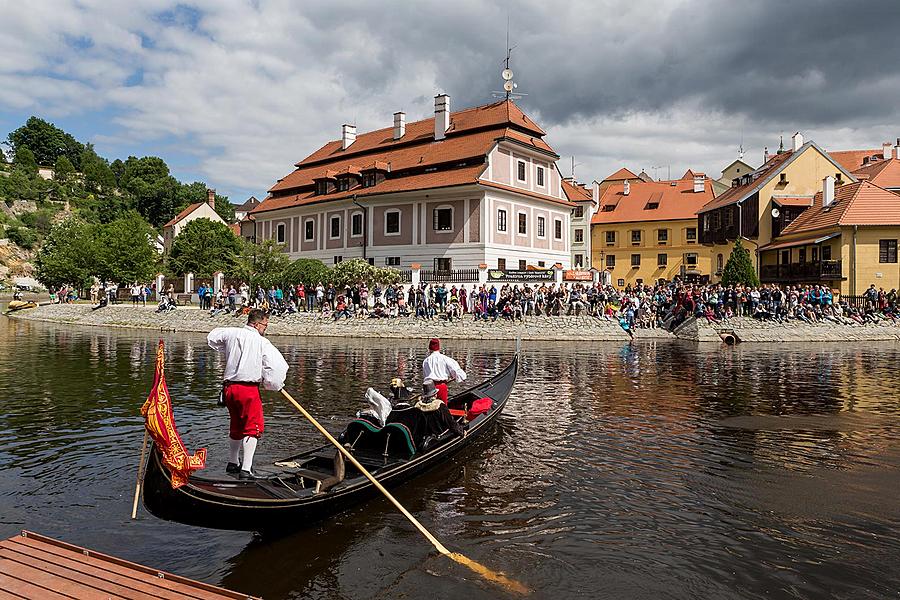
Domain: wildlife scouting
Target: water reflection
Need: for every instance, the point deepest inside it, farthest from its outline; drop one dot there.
(628, 470)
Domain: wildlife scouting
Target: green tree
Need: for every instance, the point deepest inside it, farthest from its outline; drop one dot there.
(357, 270)
(306, 270)
(739, 268)
(97, 174)
(40, 221)
(261, 265)
(63, 171)
(22, 237)
(25, 161)
(125, 252)
(194, 193)
(153, 189)
(46, 141)
(204, 247)
(118, 170)
(67, 255)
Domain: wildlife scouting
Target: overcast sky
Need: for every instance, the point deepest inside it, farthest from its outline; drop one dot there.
(233, 93)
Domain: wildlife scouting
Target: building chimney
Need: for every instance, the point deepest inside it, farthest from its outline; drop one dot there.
(595, 193)
(211, 197)
(897, 150)
(699, 182)
(626, 188)
(441, 116)
(348, 135)
(886, 151)
(828, 191)
(399, 124)
(766, 155)
(798, 140)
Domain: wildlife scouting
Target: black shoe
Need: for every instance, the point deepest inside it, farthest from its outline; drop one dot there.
(232, 468)
(248, 475)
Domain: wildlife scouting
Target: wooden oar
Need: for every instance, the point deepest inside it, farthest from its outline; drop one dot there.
(498, 578)
(137, 486)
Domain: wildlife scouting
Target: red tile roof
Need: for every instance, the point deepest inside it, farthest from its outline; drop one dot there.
(191, 208)
(861, 203)
(621, 175)
(678, 201)
(792, 200)
(576, 192)
(883, 173)
(853, 159)
(738, 193)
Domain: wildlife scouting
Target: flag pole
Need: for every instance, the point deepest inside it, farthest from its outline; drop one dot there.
(140, 474)
(498, 578)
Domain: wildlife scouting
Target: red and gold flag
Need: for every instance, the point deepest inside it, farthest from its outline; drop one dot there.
(160, 423)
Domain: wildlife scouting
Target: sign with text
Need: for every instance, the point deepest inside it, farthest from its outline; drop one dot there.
(520, 275)
(574, 275)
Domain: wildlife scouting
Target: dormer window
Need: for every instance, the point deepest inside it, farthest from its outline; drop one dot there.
(343, 184)
(321, 187)
(782, 178)
(368, 179)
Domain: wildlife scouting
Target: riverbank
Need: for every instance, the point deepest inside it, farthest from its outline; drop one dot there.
(534, 328)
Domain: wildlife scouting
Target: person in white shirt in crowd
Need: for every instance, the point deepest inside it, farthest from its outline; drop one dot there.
(441, 370)
(250, 361)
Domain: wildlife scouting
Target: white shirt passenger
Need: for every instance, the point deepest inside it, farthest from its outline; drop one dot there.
(438, 367)
(249, 357)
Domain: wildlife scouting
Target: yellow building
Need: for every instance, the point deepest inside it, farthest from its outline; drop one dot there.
(645, 231)
(847, 240)
(762, 203)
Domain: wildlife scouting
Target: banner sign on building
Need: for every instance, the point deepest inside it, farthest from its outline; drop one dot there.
(520, 275)
(574, 275)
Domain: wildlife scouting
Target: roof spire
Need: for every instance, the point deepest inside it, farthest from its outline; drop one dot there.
(781, 144)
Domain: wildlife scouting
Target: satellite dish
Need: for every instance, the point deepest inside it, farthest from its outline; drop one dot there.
(775, 213)
(507, 74)
(508, 86)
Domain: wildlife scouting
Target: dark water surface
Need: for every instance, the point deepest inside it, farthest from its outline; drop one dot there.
(653, 471)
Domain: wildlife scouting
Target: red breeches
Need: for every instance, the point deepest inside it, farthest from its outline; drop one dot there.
(245, 407)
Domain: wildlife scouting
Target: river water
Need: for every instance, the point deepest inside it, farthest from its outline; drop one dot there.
(658, 470)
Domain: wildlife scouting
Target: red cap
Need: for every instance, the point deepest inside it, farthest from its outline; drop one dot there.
(434, 344)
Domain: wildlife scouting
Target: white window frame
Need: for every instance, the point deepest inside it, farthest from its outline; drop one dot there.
(523, 170)
(306, 223)
(575, 238)
(452, 217)
(280, 233)
(399, 221)
(362, 224)
(331, 219)
(505, 220)
(540, 177)
(541, 223)
(518, 214)
(560, 229)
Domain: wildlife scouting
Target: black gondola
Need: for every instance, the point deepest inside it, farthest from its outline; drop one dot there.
(287, 497)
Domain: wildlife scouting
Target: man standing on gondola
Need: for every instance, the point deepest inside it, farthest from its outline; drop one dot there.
(250, 361)
(441, 370)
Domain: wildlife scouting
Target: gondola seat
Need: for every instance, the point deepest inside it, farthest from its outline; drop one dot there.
(394, 439)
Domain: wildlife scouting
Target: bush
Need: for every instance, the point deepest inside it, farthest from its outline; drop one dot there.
(22, 237)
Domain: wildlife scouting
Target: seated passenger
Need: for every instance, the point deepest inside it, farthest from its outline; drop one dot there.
(428, 418)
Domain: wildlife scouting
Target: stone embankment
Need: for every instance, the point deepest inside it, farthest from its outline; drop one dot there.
(580, 328)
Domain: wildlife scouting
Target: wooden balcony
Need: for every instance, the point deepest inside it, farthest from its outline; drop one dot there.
(825, 270)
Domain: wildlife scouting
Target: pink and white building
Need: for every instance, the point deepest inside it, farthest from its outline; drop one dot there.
(478, 186)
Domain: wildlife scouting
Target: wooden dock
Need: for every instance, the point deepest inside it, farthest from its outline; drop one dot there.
(36, 567)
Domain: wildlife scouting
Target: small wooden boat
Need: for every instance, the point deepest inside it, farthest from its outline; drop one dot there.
(15, 305)
(289, 495)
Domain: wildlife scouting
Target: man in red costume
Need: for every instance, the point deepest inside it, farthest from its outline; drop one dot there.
(250, 361)
(440, 370)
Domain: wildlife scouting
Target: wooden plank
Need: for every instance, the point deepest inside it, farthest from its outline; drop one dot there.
(86, 574)
(66, 588)
(162, 588)
(16, 588)
(43, 564)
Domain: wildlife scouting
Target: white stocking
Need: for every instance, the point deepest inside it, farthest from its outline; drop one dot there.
(249, 444)
(234, 448)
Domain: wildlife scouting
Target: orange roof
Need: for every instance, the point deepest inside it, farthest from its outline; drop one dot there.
(861, 203)
(853, 159)
(235, 229)
(674, 202)
(759, 177)
(497, 115)
(621, 175)
(191, 208)
(883, 173)
(576, 192)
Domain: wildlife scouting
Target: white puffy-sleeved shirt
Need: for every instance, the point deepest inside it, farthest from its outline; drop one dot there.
(249, 357)
(438, 367)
